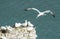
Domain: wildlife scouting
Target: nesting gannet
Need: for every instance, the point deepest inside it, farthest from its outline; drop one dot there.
(2, 27)
(40, 13)
(25, 24)
(30, 24)
(2, 37)
(18, 24)
(9, 28)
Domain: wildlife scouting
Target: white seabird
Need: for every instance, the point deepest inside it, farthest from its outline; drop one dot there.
(2, 27)
(40, 13)
(25, 24)
(9, 28)
(18, 24)
(30, 24)
(2, 37)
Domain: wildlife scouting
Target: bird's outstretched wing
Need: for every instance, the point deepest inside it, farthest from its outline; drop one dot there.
(49, 11)
(28, 9)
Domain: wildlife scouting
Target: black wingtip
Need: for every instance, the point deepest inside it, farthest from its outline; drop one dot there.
(25, 10)
(53, 15)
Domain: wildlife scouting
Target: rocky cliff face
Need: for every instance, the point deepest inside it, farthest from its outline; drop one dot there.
(18, 32)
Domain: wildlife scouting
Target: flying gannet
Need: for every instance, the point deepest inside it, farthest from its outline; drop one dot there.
(41, 13)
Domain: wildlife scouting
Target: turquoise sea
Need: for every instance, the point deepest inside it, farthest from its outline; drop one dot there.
(47, 27)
